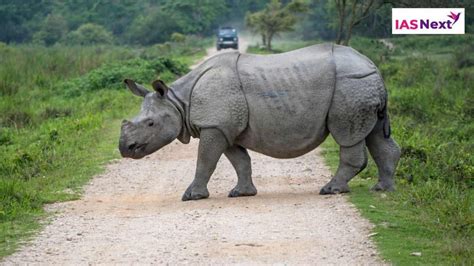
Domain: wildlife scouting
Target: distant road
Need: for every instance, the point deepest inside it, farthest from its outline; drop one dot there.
(243, 45)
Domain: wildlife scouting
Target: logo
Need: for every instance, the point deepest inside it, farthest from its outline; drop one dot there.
(454, 16)
(428, 20)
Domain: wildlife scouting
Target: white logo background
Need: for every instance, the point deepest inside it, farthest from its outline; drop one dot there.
(431, 14)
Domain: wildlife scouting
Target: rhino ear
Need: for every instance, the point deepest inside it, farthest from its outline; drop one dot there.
(160, 87)
(135, 88)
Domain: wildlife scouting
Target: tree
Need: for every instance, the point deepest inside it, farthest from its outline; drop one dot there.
(52, 30)
(198, 16)
(378, 24)
(274, 18)
(354, 11)
(88, 34)
(239, 8)
(318, 23)
(19, 19)
(254, 22)
(154, 27)
(427, 3)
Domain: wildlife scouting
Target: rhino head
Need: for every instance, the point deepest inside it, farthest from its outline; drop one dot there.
(158, 123)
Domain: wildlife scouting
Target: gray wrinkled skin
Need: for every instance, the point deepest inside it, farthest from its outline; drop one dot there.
(153, 128)
(282, 105)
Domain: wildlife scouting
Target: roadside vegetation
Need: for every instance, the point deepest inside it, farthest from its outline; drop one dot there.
(274, 19)
(431, 90)
(60, 113)
(61, 101)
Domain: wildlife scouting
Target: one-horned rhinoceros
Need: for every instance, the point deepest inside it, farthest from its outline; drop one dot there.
(282, 105)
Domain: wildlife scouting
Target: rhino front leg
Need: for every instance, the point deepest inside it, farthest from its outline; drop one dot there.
(240, 159)
(212, 144)
(352, 160)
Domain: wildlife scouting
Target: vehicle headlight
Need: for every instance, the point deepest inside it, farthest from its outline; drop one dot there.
(221, 39)
(235, 39)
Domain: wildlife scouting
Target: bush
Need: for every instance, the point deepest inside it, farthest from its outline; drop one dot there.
(52, 30)
(111, 76)
(15, 118)
(373, 49)
(89, 34)
(192, 45)
(431, 44)
(178, 37)
(156, 27)
(464, 57)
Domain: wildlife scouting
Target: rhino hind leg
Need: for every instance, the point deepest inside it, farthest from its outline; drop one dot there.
(240, 160)
(386, 153)
(352, 160)
(212, 144)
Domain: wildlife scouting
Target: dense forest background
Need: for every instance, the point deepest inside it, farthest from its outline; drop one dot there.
(131, 22)
(146, 22)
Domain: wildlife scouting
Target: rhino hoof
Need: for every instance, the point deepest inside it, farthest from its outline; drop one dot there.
(191, 194)
(334, 189)
(383, 187)
(242, 192)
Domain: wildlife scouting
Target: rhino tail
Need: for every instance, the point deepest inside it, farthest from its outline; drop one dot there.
(383, 115)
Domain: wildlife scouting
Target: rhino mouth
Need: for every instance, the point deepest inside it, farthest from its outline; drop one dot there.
(140, 147)
(134, 151)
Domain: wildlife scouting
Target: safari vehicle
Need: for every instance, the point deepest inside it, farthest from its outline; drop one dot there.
(227, 38)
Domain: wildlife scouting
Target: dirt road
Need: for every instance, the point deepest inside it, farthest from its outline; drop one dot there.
(133, 214)
(243, 44)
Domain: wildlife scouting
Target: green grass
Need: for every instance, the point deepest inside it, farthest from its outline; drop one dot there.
(431, 109)
(50, 162)
(25, 215)
(60, 114)
(442, 44)
(430, 82)
(404, 225)
(187, 52)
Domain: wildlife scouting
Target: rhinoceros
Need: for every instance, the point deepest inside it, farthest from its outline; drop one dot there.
(281, 105)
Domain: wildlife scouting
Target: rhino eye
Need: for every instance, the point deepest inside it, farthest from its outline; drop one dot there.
(150, 123)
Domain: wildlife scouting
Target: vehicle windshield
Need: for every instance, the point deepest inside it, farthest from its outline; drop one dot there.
(227, 31)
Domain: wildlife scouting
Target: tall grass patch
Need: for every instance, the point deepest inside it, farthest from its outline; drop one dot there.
(59, 122)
